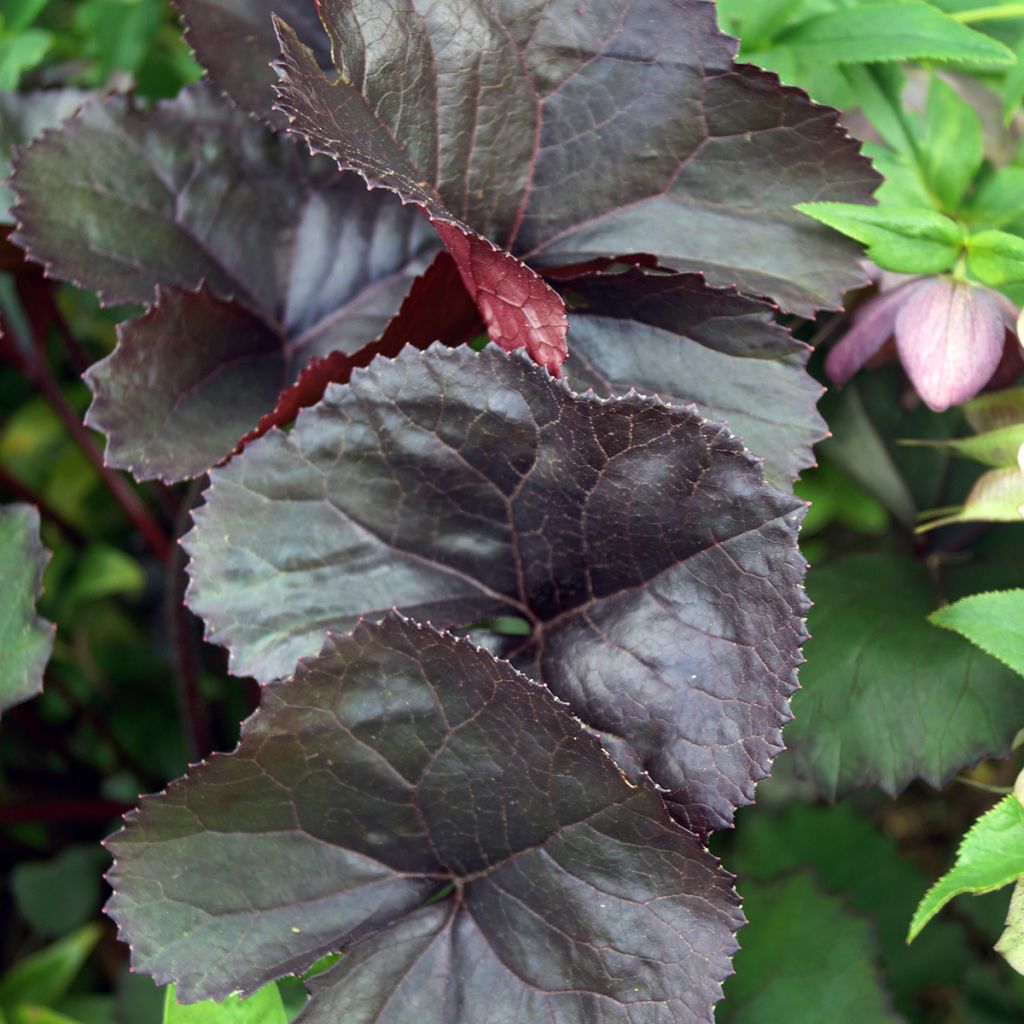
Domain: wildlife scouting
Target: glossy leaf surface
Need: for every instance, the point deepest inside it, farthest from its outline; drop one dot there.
(25, 639)
(675, 337)
(886, 697)
(591, 136)
(263, 259)
(657, 572)
(400, 765)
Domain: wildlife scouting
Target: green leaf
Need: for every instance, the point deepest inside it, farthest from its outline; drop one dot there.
(999, 448)
(996, 497)
(25, 640)
(60, 894)
(886, 697)
(30, 1014)
(835, 843)
(1011, 942)
(996, 257)
(894, 31)
(993, 621)
(1013, 87)
(756, 21)
(19, 14)
(801, 940)
(906, 239)
(995, 409)
(264, 1006)
(879, 93)
(998, 199)
(990, 856)
(857, 448)
(44, 977)
(951, 152)
(20, 53)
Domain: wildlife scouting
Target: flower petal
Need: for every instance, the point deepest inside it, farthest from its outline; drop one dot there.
(872, 325)
(950, 339)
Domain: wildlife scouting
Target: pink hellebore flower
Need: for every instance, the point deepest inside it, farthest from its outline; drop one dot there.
(949, 335)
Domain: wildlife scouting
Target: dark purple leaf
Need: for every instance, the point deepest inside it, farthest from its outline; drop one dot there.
(519, 308)
(23, 116)
(567, 132)
(673, 336)
(25, 639)
(235, 41)
(658, 574)
(400, 765)
(437, 308)
(265, 259)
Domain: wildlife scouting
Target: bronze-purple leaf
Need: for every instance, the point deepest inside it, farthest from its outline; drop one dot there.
(657, 573)
(418, 803)
(265, 259)
(566, 132)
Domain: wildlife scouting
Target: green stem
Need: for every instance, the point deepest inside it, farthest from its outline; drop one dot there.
(997, 12)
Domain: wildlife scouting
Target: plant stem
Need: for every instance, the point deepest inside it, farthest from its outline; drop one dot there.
(63, 810)
(995, 12)
(36, 370)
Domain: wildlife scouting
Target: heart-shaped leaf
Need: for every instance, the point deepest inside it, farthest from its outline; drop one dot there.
(414, 801)
(25, 639)
(459, 486)
(674, 336)
(264, 257)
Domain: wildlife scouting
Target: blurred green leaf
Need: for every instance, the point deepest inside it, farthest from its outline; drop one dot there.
(999, 198)
(859, 451)
(26, 640)
(805, 959)
(1011, 942)
(886, 697)
(58, 895)
(21, 52)
(30, 1014)
(44, 977)
(999, 448)
(19, 14)
(836, 843)
(996, 257)
(995, 409)
(951, 151)
(996, 497)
